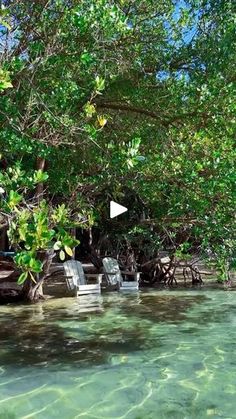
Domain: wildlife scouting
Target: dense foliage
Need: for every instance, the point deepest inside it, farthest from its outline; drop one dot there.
(129, 100)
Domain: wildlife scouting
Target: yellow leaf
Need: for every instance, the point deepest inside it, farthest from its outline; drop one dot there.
(68, 250)
(102, 121)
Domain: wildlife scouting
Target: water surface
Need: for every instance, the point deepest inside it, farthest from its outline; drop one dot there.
(144, 355)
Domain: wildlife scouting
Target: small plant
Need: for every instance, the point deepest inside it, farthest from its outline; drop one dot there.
(36, 229)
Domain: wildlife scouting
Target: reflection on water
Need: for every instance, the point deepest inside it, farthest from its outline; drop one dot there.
(166, 354)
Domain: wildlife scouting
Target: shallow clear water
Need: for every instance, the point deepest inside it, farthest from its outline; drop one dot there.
(159, 354)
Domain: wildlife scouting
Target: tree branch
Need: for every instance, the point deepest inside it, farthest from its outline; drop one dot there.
(134, 109)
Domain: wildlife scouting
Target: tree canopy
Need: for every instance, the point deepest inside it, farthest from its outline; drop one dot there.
(132, 100)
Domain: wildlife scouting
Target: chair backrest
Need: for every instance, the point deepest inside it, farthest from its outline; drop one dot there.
(75, 273)
(112, 271)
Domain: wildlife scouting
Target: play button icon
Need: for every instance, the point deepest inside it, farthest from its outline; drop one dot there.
(116, 209)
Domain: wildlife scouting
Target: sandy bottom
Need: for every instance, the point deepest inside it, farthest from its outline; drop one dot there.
(157, 354)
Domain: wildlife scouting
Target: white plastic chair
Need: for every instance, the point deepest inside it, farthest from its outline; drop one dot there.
(126, 280)
(77, 280)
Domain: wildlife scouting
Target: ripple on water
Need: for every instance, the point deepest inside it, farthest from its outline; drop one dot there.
(148, 355)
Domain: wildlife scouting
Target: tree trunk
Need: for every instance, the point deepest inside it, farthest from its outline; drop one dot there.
(3, 238)
(73, 234)
(33, 292)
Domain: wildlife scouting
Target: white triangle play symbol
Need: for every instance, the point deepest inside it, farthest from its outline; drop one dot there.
(116, 209)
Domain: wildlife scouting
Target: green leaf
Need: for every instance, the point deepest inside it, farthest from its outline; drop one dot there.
(130, 163)
(6, 24)
(22, 278)
(5, 81)
(86, 58)
(14, 199)
(35, 265)
(89, 109)
(62, 255)
(57, 245)
(99, 84)
(40, 176)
